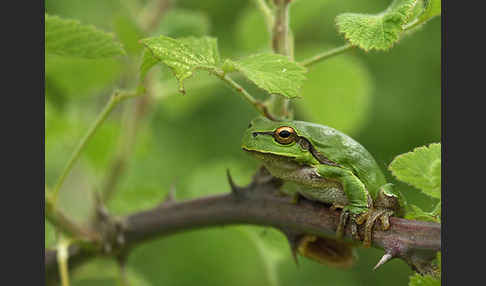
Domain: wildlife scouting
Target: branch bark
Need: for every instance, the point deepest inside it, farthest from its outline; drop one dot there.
(260, 203)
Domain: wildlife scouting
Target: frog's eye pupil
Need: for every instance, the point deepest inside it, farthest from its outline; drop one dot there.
(284, 134)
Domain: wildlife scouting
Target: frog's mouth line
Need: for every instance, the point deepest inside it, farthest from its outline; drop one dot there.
(267, 153)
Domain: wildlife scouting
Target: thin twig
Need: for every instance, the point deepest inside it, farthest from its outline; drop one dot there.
(325, 55)
(259, 106)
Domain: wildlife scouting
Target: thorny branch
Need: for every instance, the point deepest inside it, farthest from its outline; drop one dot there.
(259, 203)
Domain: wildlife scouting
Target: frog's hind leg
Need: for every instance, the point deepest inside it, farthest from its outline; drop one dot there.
(356, 194)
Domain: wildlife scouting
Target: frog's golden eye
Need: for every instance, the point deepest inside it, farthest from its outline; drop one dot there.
(285, 135)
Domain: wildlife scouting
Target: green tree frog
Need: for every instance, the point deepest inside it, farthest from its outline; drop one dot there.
(326, 166)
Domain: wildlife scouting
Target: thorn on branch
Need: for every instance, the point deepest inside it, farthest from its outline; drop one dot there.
(171, 196)
(387, 257)
(111, 228)
(235, 190)
(293, 239)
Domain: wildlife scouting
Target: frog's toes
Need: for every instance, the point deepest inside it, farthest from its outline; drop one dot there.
(385, 220)
(370, 218)
(361, 218)
(343, 219)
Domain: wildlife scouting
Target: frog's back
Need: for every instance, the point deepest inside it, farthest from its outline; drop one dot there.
(344, 150)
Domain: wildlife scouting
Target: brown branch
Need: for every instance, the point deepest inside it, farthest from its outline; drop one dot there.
(260, 203)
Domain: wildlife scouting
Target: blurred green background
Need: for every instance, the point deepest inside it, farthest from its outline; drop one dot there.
(388, 101)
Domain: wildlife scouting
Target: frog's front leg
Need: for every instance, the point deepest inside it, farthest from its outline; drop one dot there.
(355, 191)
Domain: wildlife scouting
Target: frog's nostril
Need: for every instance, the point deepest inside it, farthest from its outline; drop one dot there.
(254, 134)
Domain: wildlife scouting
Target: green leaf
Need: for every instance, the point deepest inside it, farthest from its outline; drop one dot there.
(432, 8)
(272, 247)
(129, 33)
(148, 62)
(437, 211)
(416, 213)
(376, 31)
(183, 55)
(74, 78)
(420, 168)
(274, 73)
(70, 38)
(426, 280)
(89, 274)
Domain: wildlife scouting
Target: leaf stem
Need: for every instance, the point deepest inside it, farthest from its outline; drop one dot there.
(116, 97)
(325, 55)
(260, 107)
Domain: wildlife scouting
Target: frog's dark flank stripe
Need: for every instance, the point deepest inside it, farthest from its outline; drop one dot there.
(305, 144)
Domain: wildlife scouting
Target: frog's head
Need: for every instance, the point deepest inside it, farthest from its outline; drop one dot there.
(267, 138)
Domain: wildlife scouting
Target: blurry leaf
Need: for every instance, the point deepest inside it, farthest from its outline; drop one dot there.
(432, 8)
(426, 280)
(129, 34)
(417, 213)
(378, 31)
(420, 168)
(95, 12)
(272, 247)
(89, 274)
(273, 72)
(77, 77)
(336, 93)
(49, 236)
(183, 56)
(183, 23)
(70, 38)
